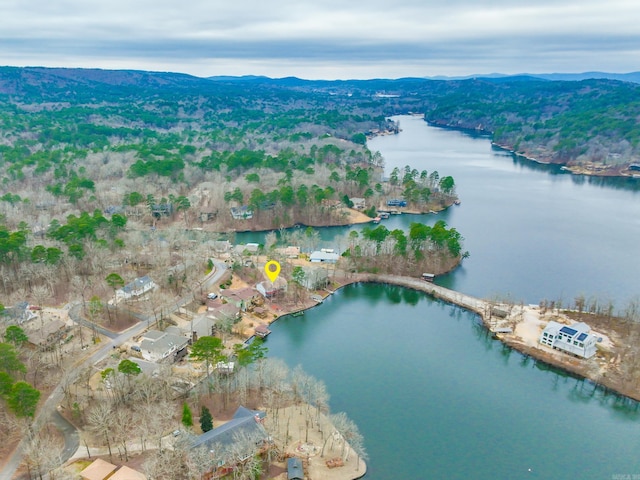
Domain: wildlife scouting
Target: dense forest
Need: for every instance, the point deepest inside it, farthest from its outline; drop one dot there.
(87, 155)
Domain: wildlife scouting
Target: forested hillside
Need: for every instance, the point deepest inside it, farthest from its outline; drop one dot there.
(84, 153)
(591, 125)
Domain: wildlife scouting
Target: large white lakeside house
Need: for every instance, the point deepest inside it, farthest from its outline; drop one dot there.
(575, 339)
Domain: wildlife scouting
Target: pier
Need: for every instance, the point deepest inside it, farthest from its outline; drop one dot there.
(495, 316)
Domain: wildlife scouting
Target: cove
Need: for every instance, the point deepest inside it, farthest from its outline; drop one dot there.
(533, 232)
(436, 397)
(433, 394)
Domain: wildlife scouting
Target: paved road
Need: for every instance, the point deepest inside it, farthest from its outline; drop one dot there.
(70, 433)
(49, 408)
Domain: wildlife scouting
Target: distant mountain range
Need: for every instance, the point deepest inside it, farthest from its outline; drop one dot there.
(633, 77)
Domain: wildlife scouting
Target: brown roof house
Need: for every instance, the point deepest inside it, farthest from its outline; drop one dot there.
(241, 297)
(226, 311)
(127, 473)
(98, 470)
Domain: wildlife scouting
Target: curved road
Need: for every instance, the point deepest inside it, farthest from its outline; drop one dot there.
(49, 408)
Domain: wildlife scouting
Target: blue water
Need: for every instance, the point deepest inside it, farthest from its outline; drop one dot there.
(436, 397)
(432, 393)
(533, 232)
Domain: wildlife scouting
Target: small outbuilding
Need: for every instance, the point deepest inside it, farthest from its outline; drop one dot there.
(295, 470)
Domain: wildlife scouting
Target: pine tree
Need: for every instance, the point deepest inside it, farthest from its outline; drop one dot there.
(187, 418)
(206, 420)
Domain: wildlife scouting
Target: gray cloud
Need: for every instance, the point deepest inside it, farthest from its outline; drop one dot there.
(406, 37)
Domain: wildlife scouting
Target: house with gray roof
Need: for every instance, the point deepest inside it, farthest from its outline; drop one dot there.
(136, 288)
(203, 326)
(241, 213)
(320, 256)
(162, 346)
(575, 339)
(295, 470)
(244, 431)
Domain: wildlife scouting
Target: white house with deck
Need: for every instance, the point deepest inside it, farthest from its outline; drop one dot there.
(157, 346)
(575, 339)
(138, 287)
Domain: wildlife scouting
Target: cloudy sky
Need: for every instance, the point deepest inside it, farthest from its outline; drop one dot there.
(326, 39)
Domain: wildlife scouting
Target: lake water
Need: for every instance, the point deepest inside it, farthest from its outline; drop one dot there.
(532, 231)
(435, 397)
(432, 393)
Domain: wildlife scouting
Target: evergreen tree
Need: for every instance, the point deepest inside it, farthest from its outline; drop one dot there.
(206, 420)
(187, 417)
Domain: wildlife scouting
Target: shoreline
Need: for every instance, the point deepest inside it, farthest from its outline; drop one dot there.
(580, 368)
(593, 171)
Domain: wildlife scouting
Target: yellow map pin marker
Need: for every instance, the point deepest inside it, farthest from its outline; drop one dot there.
(272, 269)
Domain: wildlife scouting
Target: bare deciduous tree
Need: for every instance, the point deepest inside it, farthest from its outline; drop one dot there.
(101, 422)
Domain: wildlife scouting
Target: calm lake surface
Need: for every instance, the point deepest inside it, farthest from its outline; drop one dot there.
(533, 232)
(433, 395)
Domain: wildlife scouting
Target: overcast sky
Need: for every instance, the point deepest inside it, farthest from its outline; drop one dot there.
(326, 39)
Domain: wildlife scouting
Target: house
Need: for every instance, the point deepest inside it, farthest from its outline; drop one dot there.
(21, 313)
(395, 202)
(138, 287)
(113, 209)
(162, 210)
(127, 473)
(241, 213)
(225, 367)
(158, 346)
(241, 297)
(260, 312)
(98, 470)
(288, 252)
(574, 339)
(220, 246)
(208, 216)
(213, 303)
(226, 311)
(323, 257)
(223, 440)
(269, 289)
(358, 203)
(295, 471)
(203, 326)
(250, 248)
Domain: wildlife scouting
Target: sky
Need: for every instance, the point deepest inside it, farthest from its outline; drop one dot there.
(325, 39)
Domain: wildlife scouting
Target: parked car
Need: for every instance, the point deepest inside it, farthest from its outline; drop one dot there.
(212, 296)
